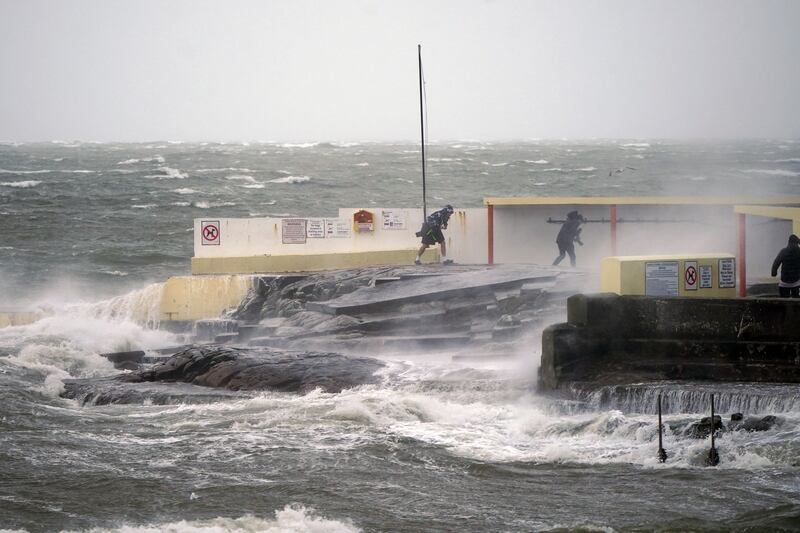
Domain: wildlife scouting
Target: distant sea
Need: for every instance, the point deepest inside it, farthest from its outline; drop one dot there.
(88, 231)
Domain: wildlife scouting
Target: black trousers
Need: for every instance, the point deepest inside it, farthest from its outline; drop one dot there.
(565, 248)
(789, 292)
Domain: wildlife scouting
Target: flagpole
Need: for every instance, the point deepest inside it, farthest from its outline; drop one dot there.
(422, 133)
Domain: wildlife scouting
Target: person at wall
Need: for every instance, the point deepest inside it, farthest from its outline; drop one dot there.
(569, 233)
(431, 233)
(788, 261)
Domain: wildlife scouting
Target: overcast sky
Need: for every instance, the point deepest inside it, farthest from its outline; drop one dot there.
(302, 70)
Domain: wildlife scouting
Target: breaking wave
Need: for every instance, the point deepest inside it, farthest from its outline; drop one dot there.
(291, 179)
(21, 184)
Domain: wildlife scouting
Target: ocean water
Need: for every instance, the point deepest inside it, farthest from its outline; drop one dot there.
(90, 230)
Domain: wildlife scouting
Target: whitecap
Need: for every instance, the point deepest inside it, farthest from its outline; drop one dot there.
(114, 273)
(292, 519)
(5, 171)
(241, 177)
(538, 162)
(21, 184)
(291, 179)
(253, 186)
(772, 172)
(586, 169)
(364, 164)
(184, 190)
(636, 145)
(181, 204)
(169, 173)
(298, 145)
(144, 206)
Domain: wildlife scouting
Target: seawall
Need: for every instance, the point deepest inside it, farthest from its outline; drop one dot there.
(611, 339)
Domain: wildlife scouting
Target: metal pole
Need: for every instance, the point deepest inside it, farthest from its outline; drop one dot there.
(490, 233)
(742, 259)
(422, 134)
(662, 454)
(613, 217)
(713, 456)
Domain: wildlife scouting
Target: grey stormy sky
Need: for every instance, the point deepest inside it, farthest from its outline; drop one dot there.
(347, 69)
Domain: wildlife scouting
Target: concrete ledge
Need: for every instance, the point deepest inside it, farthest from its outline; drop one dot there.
(187, 298)
(17, 318)
(307, 262)
(612, 339)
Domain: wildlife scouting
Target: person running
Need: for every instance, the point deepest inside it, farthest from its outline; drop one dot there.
(431, 233)
(569, 233)
(789, 262)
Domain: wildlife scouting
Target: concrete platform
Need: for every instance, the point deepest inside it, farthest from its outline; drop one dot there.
(468, 282)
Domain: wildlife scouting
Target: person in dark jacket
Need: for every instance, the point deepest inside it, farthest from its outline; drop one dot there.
(789, 262)
(431, 233)
(569, 233)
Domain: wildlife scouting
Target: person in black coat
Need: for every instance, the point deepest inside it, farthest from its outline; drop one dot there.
(569, 233)
(789, 262)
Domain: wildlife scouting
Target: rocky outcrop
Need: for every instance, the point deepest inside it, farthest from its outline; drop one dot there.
(234, 369)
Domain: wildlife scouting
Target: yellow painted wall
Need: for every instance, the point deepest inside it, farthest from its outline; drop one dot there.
(626, 275)
(197, 297)
(17, 318)
(307, 262)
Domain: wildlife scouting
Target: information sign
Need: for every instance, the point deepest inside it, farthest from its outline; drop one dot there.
(661, 278)
(293, 230)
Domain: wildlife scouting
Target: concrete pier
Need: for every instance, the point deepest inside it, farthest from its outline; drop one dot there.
(611, 339)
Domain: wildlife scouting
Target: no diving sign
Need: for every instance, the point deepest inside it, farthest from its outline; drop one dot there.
(210, 233)
(691, 277)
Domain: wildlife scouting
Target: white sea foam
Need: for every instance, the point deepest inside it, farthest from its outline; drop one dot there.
(586, 169)
(291, 179)
(144, 206)
(298, 145)
(538, 162)
(114, 273)
(6, 171)
(772, 172)
(226, 169)
(788, 160)
(364, 164)
(253, 186)
(241, 177)
(636, 145)
(291, 519)
(181, 204)
(169, 173)
(184, 190)
(21, 184)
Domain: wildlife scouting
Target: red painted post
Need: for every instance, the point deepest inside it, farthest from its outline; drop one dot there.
(613, 217)
(742, 259)
(490, 234)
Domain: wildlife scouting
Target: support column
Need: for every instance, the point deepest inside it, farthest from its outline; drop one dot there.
(741, 259)
(490, 233)
(613, 217)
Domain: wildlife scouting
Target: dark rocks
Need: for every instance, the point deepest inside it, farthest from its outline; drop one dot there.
(254, 369)
(702, 429)
(753, 423)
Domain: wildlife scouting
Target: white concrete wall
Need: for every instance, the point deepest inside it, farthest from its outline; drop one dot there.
(246, 237)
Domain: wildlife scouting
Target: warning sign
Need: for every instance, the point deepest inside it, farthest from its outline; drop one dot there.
(727, 273)
(661, 278)
(338, 228)
(690, 275)
(393, 219)
(316, 228)
(706, 278)
(293, 230)
(210, 233)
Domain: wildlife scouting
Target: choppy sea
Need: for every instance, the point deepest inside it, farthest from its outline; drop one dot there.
(88, 231)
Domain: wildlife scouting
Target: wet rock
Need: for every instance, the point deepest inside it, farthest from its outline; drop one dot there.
(702, 429)
(737, 417)
(237, 369)
(753, 423)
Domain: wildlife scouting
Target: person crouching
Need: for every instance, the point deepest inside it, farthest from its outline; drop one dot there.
(431, 233)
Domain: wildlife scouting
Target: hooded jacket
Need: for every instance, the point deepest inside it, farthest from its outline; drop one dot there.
(789, 261)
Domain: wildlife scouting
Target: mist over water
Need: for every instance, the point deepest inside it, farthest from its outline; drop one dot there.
(91, 231)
